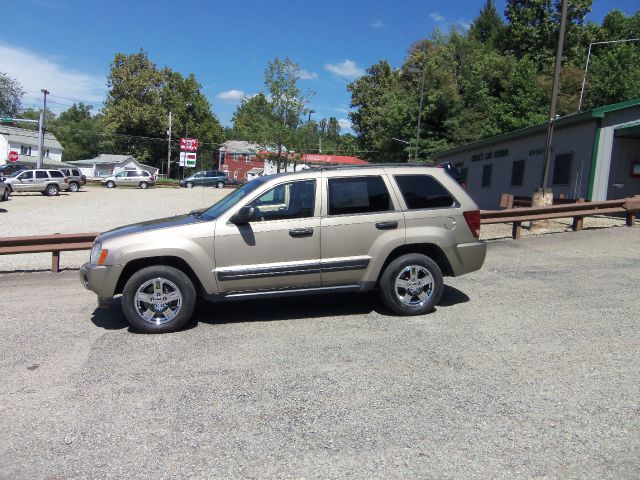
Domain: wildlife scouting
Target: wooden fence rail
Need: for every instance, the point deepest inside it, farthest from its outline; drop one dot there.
(55, 244)
(628, 206)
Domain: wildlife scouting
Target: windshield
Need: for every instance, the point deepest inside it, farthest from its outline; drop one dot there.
(15, 174)
(230, 200)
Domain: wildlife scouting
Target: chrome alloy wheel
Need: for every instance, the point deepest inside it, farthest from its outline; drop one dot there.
(158, 301)
(414, 285)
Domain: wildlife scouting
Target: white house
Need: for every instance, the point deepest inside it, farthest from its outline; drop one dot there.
(24, 142)
(105, 165)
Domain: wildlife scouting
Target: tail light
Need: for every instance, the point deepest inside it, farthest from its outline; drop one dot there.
(463, 184)
(83, 178)
(151, 179)
(473, 220)
(66, 179)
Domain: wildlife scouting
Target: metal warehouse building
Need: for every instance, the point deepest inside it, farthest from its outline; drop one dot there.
(596, 155)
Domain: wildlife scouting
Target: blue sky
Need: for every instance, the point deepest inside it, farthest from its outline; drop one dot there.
(67, 46)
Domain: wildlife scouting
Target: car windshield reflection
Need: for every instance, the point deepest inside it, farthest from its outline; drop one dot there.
(230, 200)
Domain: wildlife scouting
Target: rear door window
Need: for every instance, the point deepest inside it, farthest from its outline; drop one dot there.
(41, 174)
(356, 195)
(424, 191)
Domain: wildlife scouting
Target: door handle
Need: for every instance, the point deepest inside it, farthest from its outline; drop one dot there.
(389, 225)
(301, 232)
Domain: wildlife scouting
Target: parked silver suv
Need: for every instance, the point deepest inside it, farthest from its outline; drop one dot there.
(130, 178)
(46, 181)
(76, 178)
(398, 229)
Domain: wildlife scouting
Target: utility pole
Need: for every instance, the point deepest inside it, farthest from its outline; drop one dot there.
(544, 196)
(169, 149)
(423, 71)
(41, 129)
(554, 97)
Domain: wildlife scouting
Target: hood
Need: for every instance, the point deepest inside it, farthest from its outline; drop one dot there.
(158, 224)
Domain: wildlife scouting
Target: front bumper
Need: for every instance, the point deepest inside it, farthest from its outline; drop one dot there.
(101, 279)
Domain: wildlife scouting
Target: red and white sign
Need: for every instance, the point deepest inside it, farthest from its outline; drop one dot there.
(189, 144)
(13, 156)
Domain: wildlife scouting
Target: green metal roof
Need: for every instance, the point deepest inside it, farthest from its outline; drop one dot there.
(579, 117)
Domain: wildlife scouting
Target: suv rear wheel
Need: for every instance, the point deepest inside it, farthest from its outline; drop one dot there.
(144, 185)
(74, 187)
(51, 190)
(158, 299)
(411, 284)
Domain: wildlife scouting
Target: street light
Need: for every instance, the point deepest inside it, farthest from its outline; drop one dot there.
(584, 77)
(423, 71)
(309, 128)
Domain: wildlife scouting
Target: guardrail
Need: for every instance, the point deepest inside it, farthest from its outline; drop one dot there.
(56, 243)
(629, 206)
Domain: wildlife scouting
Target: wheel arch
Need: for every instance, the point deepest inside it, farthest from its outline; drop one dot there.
(431, 250)
(165, 261)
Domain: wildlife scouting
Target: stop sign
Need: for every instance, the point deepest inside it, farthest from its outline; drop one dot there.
(13, 156)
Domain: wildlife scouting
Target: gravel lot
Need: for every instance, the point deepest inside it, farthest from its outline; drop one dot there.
(529, 368)
(96, 209)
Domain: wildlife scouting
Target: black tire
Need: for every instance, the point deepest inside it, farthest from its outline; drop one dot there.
(51, 190)
(220, 185)
(111, 184)
(144, 185)
(170, 279)
(424, 285)
(189, 184)
(5, 195)
(74, 186)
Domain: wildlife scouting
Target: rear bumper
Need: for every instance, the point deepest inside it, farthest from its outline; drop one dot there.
(100, 279)
(468, 257)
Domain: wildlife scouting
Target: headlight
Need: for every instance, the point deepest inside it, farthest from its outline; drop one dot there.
(98, 255)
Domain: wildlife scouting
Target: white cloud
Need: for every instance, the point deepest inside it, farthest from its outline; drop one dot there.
(344, 124)
(377, 23)
(436, 17)
(231, 96)
(347, 69)
(36, 72)
(466, 24)
(307, 75)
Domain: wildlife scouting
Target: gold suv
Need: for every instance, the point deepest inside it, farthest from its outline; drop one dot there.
(398, 229)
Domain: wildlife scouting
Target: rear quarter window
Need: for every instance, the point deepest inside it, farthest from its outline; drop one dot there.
(56, 174)
(423, 192)
(355, 195)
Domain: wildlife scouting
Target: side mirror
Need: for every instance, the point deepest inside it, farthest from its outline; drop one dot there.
(244, 216)
(2, 179)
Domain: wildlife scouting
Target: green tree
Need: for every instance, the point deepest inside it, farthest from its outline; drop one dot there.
(11, 93)
(533, 27)
(254, 120)
(488, 26)
(79, 132)
(288, 104)
(138, 103)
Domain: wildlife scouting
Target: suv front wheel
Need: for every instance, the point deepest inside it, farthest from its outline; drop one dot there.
(158, 299)
(411, 284)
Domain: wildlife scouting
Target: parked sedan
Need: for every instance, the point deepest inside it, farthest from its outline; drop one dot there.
(130, 178)
(214, 178)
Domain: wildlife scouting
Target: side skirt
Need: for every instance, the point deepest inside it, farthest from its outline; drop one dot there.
(288, 292)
